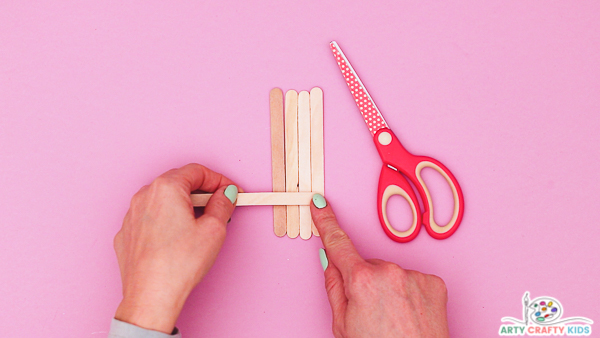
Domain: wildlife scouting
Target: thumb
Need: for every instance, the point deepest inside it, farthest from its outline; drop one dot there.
(221, 204)
(334, 285)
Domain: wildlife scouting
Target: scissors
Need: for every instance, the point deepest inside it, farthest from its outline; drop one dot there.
(400, 165)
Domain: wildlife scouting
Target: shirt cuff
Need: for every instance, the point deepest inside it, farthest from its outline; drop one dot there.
(119, 329)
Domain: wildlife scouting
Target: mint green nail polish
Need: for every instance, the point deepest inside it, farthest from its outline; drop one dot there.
(231, 192)
(319, 201)
(324, 260)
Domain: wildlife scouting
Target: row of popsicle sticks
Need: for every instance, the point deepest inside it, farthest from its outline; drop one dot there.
(297, 162)
(297, 157)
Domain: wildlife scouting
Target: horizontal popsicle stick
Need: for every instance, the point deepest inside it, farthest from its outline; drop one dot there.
(260, 198)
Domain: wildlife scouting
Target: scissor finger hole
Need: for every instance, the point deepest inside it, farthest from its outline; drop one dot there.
(440, 194)
(399, 213)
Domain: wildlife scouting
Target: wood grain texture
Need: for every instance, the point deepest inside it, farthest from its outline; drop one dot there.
(261, 198)
(291, 160)
(317, 156)
(278, 158)
(304, 169)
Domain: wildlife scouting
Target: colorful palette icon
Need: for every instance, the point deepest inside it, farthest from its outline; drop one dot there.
(545, 310)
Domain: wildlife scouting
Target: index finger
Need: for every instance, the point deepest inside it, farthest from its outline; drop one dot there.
(194, 176)
(338, 246)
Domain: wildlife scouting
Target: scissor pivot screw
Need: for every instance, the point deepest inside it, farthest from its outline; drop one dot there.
(384, 138)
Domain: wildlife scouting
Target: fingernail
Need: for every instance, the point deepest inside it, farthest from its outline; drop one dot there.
(231, 192)
(324, 260)
(319, 201)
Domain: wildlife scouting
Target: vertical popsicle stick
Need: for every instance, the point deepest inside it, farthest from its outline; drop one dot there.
(317, 158)
(304, 181)
(278, 158)
(291, 160)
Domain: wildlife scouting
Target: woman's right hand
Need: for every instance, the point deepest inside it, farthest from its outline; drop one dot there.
(375, 298)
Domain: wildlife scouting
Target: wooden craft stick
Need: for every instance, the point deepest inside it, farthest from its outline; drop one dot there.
(291, 160)
(317, 158)
(261, 198)
(304, 182)
(278, 157)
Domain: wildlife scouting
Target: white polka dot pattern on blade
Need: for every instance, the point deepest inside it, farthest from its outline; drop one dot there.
(365, 104)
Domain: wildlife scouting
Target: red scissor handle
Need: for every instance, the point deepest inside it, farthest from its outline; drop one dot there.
(391, 182)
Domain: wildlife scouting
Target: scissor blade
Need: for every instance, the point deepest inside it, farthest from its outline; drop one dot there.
(365, 103)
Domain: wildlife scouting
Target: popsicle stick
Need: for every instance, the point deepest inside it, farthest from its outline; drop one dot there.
(317, 158)
(278, 157)
(261, 198)
(291, 160)
(304, 182)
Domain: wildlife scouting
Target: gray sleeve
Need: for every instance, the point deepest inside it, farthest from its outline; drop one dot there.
(119, 329)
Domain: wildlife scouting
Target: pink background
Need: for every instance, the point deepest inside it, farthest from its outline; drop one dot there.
(98, 98)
